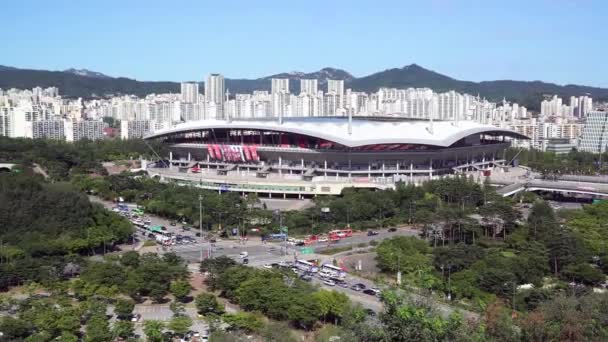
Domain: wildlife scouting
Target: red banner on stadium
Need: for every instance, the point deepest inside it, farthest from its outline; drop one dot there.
(210, 152)
(233, 153)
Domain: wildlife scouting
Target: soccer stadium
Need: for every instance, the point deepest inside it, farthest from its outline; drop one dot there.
(305, 157)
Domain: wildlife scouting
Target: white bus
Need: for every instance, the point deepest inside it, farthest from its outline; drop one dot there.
(333, 271)
(306, 266)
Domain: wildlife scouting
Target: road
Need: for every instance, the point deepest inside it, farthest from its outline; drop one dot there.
(271, 252)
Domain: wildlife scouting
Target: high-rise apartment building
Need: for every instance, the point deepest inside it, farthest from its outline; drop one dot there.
(135, 129)
(309, 86)
(189, 92)
(47, 129)
(215, 92)
(279, 85)
(77, 130)
(594, 137)
(336, 87)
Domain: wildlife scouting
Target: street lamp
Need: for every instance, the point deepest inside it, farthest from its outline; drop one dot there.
(200, 222)
(449, 282)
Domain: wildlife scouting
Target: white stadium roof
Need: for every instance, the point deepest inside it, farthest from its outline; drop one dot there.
(364, 131)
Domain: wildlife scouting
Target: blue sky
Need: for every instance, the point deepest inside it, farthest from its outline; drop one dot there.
(558, 41)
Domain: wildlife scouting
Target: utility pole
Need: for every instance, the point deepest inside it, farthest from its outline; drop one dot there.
(348, 216)
(449, 282)
(398, 270)
(200, 222)
(281, 230)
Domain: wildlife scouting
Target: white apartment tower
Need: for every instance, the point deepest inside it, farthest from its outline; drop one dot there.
(189, 92)
(280, 85)
(336, 87)
(594, 138)
(309, 86)
(214, 93)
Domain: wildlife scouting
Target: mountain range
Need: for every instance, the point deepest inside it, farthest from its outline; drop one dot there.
(88, 84)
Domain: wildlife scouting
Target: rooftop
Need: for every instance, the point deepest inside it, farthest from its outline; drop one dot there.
(364, 131)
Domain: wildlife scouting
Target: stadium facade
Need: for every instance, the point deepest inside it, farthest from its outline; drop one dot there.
(302, 157)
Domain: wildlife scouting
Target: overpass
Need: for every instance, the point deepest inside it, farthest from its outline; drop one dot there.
(563, 186)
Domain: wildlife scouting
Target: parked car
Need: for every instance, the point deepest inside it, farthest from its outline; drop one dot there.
(306, 277)
(329, 282)
(369, 292)
(393, 229)
(356, 287)
(372, 233)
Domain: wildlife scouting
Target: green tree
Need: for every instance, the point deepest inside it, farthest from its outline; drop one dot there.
(180, 289)
(130, 259)
(68, 321)
(14, 328)
(97, 329)
(124, 308)
(278, 332)
(178, 308)
(408, 254)
(123, 329)
(332, 304)
(67, 337)
(180, 325)
(208, 303)
(154, 330)
(247, 321)
(584, 273)
(215, 267)
(403, 321)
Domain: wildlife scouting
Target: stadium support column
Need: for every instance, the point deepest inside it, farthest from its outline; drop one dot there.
(280, 165)
(170, 159)
(396, 175)
(302, 162)
(369, 171)
(431, 170)
(189, 157)
(411, 172)
(325, 167)
(208, 166)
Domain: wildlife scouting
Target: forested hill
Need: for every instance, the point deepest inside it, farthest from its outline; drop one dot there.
(75, 85)
(86, 84)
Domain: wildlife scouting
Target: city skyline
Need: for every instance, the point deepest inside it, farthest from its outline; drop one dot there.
(244, 42)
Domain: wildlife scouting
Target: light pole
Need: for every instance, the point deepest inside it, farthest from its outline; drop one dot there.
(348, 217)
(449, 282)
(281, 230)
(200, 222)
